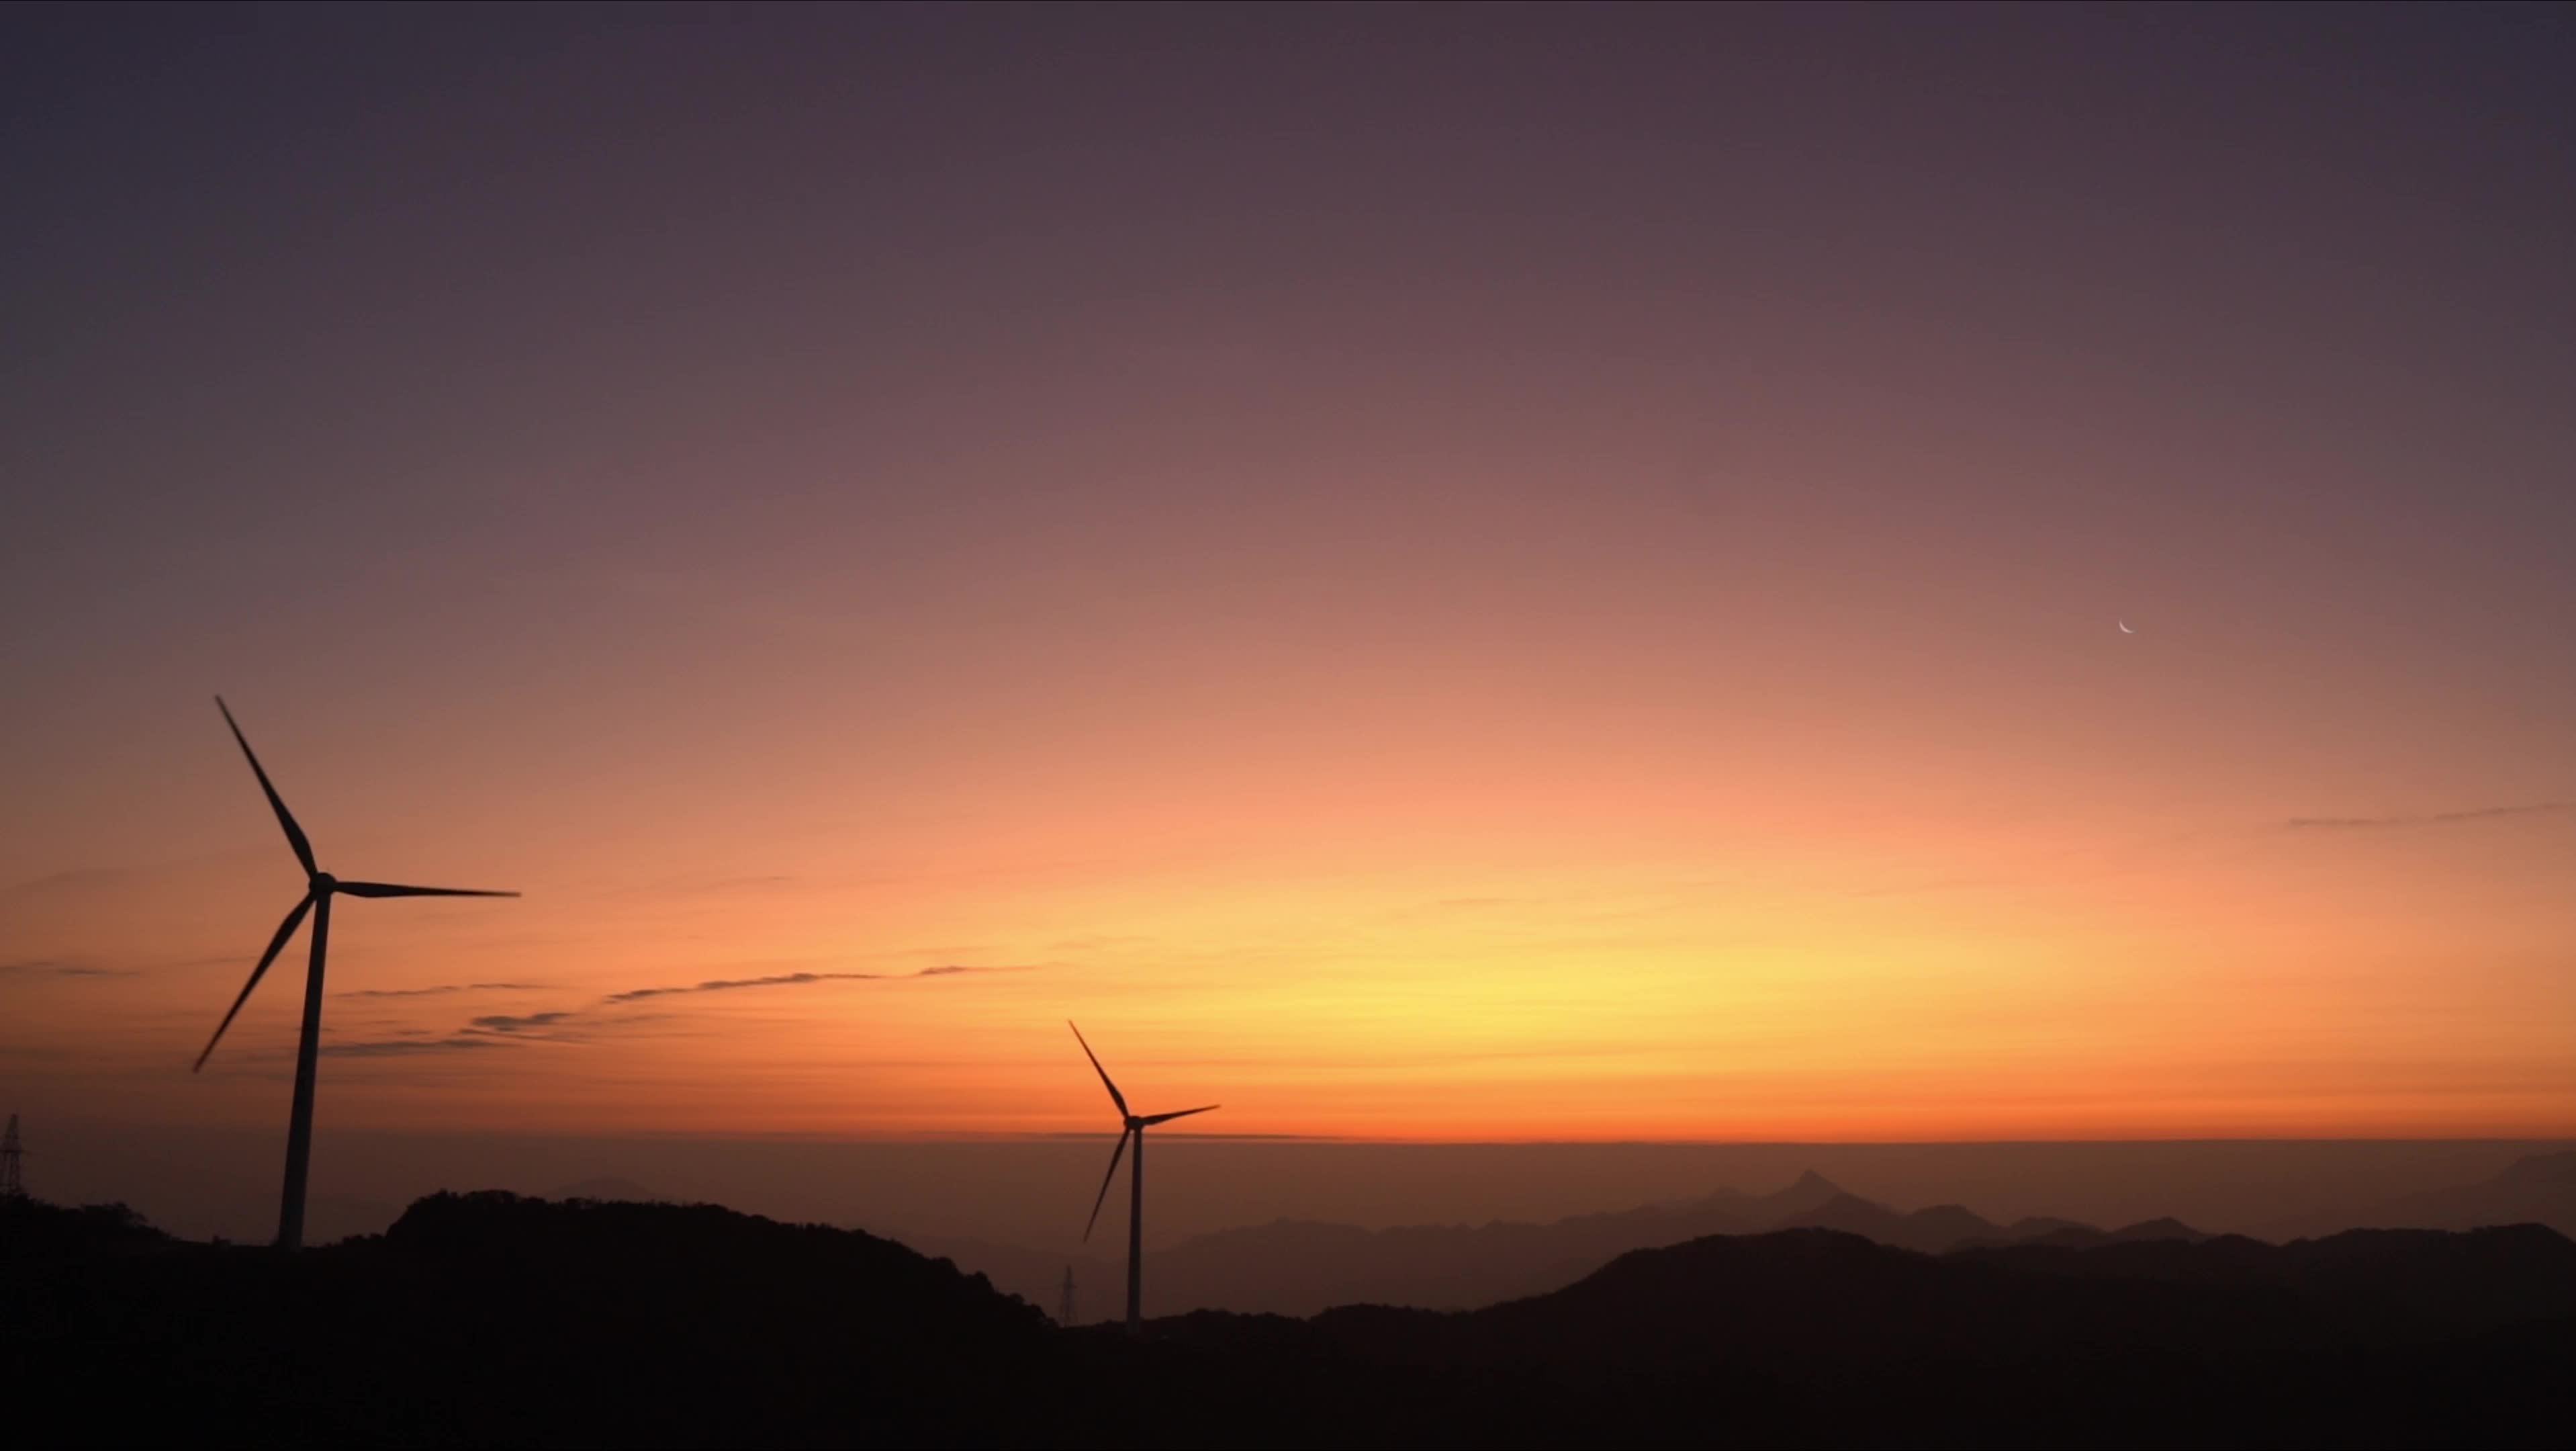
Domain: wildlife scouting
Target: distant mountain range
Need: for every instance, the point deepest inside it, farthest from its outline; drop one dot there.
(1298, 1267)
(2538, 1190)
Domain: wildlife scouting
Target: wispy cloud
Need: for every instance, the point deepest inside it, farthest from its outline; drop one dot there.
(2437, 818)
(392, 1047)
(57, 967)
(506, 1023)
(794, 979)
(574, 1025)
(436, 992)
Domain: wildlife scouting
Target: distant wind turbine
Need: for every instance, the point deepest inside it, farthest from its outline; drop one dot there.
(320, 888)
(1136, 1125)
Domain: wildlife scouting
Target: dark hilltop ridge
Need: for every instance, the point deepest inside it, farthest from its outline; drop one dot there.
(490, 1318)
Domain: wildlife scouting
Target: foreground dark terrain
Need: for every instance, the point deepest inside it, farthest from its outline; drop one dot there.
(492, 1318)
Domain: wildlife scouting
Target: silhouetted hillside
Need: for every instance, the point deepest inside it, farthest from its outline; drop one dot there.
(2540, 1189)
(1813, 1336)
(492, 1318)
(1813, 1294)
(488, 1318)
(1299, 1267)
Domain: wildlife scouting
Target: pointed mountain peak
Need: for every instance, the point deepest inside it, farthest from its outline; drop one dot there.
(1809, 1191)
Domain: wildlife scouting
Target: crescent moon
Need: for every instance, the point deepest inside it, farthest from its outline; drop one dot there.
(2124, 628)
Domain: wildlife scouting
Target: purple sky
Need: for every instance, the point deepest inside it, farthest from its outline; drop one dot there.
(1447, 572)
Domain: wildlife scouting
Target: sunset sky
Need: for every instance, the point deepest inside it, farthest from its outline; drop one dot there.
(1424, 574)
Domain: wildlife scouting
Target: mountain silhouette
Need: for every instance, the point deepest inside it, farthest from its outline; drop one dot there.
(1300, 1267)
(2540, 1189)
(1819, 1292)
(493, 1318)
(2535, 1189)
(2085, 1236)
(1934, 1230)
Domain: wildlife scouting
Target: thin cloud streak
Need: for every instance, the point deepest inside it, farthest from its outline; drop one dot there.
(796, 979)
(394, 1047)
(505, 1023)
(570, 1025)
(56, 967)
(2438, 818)
(433, 992)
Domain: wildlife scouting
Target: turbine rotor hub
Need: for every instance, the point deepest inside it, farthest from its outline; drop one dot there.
(324, 882)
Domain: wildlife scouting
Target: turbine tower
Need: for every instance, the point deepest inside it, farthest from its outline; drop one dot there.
(13, 1185)
(320, 887)
(1135, 1126)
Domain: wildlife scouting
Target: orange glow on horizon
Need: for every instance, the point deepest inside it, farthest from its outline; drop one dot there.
(1887, 987)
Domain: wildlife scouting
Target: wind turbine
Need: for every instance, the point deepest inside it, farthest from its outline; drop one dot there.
(1136, 1124)
(320, 888)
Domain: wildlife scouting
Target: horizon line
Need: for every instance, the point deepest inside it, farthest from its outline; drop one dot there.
(2568, 1137)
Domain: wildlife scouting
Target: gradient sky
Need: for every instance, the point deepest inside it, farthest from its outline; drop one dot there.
(1426, 574)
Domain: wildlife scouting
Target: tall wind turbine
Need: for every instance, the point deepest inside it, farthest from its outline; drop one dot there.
(1136, 1125)
(320, 887)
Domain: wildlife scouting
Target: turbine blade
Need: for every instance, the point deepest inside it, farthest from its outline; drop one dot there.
(285, 818)
(276, 945)
(388, 889)
(1164, 1118)
(1115, 1096)
(1105, 1181)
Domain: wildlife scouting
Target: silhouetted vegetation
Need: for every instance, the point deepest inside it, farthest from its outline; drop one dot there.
(493, 1318)
(32, 1230)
